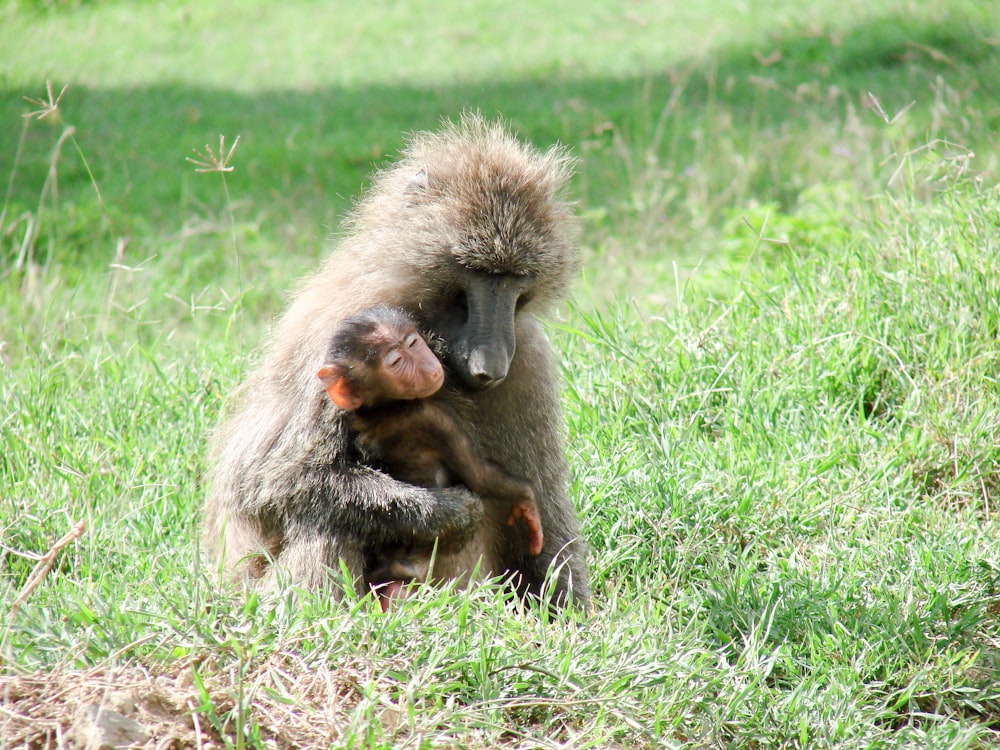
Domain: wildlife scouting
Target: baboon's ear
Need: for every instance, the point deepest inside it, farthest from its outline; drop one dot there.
(337, 387)
(419, 183)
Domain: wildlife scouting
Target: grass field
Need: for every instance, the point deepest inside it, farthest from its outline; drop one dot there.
(780, 369)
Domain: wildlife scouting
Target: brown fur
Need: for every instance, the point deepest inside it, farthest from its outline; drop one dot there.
(287, 484)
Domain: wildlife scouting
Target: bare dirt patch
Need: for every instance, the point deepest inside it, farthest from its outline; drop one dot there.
(284, 705)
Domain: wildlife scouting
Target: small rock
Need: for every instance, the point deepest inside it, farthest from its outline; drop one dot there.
(121, 702)
(391, 719)
(97, 728)
(184, 680)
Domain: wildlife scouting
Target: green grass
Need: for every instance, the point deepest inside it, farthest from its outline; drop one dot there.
(781, 368)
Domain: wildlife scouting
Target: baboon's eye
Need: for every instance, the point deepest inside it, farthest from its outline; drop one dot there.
(524, 299)
(411, 341)
(393, 358)
(461, 305)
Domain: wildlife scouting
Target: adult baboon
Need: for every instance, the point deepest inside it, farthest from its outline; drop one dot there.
(469, 233)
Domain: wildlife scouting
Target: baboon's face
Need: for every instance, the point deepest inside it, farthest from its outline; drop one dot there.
(475, 322)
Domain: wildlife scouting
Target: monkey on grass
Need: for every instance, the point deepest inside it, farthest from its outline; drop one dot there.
(469, 232)
(380, 370)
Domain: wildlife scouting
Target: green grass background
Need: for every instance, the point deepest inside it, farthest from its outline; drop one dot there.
(780, 366)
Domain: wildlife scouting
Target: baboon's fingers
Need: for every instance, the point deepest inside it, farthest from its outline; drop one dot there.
(528, 515)
(536, 539)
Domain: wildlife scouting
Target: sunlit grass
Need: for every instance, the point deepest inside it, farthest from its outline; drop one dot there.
(780, 369)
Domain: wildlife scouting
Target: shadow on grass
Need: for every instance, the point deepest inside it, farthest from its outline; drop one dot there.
(303, 154)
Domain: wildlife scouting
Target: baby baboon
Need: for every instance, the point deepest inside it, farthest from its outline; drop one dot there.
(380, 370)
(469, 234)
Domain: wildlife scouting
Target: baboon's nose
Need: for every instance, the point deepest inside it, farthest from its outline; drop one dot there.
(487, 368)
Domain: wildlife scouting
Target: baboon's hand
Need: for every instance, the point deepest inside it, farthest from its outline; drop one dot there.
(454, 518)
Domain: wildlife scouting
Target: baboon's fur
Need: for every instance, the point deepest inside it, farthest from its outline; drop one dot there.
(288, 488)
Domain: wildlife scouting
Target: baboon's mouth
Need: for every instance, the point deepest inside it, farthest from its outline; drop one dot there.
(391, 591)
